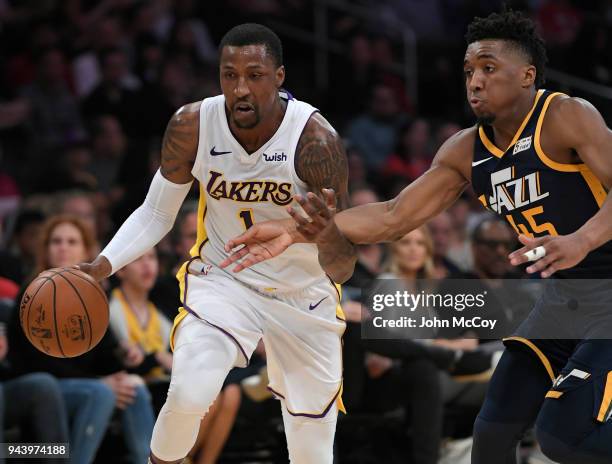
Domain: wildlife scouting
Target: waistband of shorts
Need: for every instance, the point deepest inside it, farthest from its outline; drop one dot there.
(280, 293)
(200, 266)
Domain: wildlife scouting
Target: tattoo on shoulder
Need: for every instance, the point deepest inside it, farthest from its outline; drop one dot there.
(180, 143)
(321, 159)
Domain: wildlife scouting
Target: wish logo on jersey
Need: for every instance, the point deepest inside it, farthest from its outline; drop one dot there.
(251, 191)
(278, 156)
(510, 193)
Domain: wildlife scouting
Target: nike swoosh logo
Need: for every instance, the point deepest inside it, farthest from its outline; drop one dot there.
(476, 163)
(217, 153)
(313, 306)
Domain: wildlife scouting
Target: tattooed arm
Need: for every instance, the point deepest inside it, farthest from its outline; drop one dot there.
(180, 144)
(148, 224)
(320, 161)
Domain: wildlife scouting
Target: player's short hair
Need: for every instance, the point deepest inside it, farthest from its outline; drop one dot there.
(516, 28)
(254, 34)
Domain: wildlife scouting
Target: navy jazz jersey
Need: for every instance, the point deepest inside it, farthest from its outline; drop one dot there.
(536, 195)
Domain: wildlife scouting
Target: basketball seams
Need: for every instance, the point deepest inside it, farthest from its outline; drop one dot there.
(59, 343)
(84, 309)
(27, 316)
(93, 284)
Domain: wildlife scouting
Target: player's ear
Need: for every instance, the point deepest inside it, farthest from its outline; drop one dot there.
(529, 76)
(280, 76)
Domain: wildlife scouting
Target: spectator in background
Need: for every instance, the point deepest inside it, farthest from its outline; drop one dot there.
(175, 87)
(21, 68)
(18, 259)
(183, 237)
(177, 84)
(33, 402)
(183, 45)
(198, 35)
(356, 165)
(408, 371)
(109, 149)
(95, 383)
(374, 134)
(115, 95)
(149, 58)
(135, 173)
(460, 251)
(384, 63)
(80, 204)
(69, 171)
(492, 241)
(357, 63)
(369, 257)
(100, 32)
(413, 154)
(54, 117)
(442, 234)
(444, 132)
(135, 320)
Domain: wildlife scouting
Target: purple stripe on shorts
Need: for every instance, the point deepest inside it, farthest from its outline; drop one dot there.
(187, 308)
(302, 414)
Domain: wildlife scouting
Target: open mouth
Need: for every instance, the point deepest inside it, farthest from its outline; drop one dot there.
(243, 108)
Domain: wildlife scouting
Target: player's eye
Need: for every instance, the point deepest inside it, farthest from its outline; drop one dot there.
(489, 68)
(468, 72)
(230, 75)
(256, 76)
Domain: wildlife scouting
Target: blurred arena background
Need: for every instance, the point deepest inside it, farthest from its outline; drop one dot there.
(86, 90)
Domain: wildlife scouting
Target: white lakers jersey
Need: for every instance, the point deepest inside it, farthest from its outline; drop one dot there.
(238, 189)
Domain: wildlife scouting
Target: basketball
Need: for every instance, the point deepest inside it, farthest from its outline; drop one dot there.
(64, 312)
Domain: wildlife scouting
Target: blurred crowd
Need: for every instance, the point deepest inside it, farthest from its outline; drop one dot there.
(86, 89)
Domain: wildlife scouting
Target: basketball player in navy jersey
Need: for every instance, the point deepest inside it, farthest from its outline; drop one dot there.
(543, 162)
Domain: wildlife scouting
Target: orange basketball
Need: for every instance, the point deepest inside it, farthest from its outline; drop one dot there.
(64, 312)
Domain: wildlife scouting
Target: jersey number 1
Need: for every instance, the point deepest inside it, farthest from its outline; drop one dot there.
(247, 217)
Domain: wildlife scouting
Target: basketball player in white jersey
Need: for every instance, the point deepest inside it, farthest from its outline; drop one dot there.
(251, 149)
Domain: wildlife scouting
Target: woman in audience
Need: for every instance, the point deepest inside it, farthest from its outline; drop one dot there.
(407, 371)
(136, 321)
(96, 383)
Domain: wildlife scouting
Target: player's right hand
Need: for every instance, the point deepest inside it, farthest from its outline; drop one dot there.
(99, 269)
(320, 224)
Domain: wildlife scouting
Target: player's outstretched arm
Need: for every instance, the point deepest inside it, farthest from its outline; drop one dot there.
(431, 193)
(376, 222)
(574, 124)
(320, 161)
(148, 224)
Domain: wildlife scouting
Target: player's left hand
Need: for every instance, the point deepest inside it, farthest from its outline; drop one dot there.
(562, 252)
